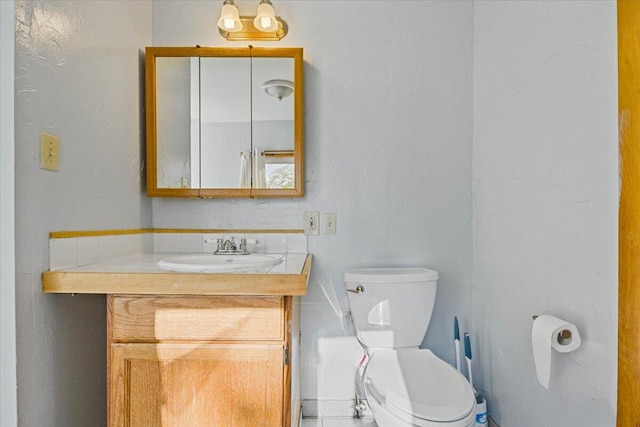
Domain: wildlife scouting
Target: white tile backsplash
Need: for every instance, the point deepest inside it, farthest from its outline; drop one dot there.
(78, 251)
(88, 250)
(141, 243)
(146, 243)
(261, 246)
(297, 243)
(108, 246)
(276, 242)
(167, 242)
(63, 253)
(191, 242)
(125, 244)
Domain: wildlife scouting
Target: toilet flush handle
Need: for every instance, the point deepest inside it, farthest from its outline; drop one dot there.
(358, 290)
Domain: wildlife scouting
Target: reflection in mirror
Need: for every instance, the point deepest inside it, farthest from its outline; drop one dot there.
(225, 121)
(279, 169)
(224, 124)
(175, 116)
(273, 122)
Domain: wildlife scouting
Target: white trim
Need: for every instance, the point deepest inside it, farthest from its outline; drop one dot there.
(8, 383)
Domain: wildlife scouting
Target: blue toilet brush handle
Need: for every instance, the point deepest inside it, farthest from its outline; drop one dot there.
(467, 346)
(456, 341)
(467, 354)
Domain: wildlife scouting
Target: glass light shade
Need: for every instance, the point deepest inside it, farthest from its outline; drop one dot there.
(229, 18)
(278, 88)
(266, 17)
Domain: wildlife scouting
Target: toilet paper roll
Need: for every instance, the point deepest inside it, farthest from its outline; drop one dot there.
(549, 332)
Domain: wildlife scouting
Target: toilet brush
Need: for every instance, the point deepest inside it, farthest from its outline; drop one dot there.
(456, 341)
(481, 405)
(467, 355)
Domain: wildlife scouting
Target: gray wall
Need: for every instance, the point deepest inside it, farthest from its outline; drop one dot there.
(545, 205)
(8, 399)
(388, 119)
(78, 76)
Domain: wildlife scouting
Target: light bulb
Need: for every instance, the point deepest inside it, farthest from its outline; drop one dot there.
(265, 22)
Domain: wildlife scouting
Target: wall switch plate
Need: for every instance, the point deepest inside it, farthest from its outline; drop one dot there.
(328, 223)
(49, 152)
(311, 223)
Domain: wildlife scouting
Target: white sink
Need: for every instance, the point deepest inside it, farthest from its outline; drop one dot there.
(209, 263)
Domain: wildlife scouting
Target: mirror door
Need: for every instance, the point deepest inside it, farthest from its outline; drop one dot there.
(225, 122)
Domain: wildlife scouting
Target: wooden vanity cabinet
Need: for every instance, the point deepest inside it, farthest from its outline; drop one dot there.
(199, 360)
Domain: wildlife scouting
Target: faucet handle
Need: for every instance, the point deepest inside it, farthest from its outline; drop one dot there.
(218, 242)
(243, 244)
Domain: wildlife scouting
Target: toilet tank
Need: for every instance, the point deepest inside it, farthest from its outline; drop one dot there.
(394, 305)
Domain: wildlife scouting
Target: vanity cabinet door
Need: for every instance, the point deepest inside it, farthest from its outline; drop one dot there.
(167, 384)
(199, 361)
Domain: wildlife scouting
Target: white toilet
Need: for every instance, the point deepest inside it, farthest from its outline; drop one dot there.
(405, 386)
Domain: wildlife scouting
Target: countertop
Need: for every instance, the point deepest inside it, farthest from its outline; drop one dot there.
(140, 275)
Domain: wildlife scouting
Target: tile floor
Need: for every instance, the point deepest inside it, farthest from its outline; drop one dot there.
(338, 422)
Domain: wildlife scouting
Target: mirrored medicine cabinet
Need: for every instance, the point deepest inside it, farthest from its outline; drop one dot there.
(224, 122)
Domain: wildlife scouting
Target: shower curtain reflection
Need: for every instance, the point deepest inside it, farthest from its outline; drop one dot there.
(245, 169)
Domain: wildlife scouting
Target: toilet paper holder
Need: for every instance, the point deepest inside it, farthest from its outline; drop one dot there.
(563, 335)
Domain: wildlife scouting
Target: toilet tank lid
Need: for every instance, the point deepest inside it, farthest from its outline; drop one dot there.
(390, 275)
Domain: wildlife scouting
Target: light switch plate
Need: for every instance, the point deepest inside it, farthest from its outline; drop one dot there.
(49, 152)
(311, 223)
(329, 223)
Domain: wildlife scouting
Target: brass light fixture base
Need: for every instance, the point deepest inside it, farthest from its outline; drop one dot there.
(250, 32)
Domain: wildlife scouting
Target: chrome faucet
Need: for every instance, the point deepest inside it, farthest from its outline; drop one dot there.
(229, 247)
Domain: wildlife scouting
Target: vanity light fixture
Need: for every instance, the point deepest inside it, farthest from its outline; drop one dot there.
(264, 26)
(278, 88)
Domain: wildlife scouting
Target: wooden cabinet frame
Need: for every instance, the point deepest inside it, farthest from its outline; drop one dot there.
(151, 121)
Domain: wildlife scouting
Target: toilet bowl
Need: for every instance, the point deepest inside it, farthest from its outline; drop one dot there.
(405, 386)
(415, 388)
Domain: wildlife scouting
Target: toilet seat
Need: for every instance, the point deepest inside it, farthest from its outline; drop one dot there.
(416, 385)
